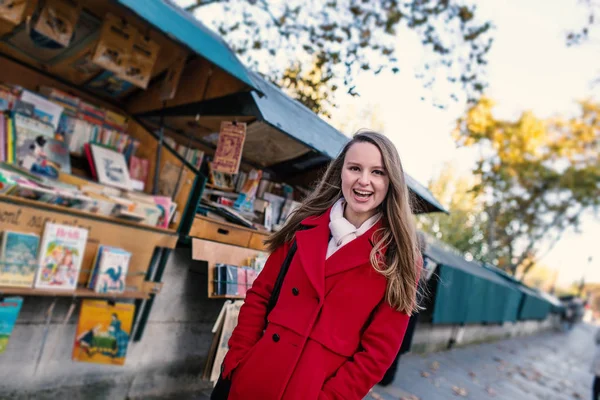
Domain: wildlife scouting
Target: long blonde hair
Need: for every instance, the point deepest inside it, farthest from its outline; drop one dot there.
(398, 235)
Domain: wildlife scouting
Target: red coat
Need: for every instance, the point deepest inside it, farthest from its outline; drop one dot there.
(330, 336)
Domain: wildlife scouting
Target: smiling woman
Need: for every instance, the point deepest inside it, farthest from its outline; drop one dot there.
(343, 307)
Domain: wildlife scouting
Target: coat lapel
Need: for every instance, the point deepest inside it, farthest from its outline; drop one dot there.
(312, 249)
(353, 254)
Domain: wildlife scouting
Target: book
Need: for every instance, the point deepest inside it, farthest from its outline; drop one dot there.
(9, 312)
(60, 256)
(103, 332)
(44, 109)
(111, 167)
(29, 147)
(110, 270)
(18, 259)
(227, 279)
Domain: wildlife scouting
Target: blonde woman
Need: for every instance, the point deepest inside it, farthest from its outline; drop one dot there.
(349, 289)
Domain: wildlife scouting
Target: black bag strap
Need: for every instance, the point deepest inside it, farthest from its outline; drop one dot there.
(281, 276)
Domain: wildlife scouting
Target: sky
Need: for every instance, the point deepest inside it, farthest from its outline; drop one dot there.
(530, 67)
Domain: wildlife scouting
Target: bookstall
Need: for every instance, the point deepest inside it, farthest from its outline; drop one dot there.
(92, 199)
(277, 149)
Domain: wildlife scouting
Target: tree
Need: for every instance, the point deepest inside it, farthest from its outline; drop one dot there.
(353, 35)
(353, 117)
(581, 35)
(536, 177)
(463, 227)
(540, 277)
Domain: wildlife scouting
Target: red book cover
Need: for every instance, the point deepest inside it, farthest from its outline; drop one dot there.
(88, 154)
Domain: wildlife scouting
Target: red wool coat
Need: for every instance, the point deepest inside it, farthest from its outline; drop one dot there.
(331, 335)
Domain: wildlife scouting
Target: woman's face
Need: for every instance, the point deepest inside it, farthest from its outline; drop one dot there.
(365, 182)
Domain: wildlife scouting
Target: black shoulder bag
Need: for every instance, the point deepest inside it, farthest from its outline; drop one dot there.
(221, 389)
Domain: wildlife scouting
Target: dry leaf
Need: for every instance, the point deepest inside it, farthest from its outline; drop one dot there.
(435, 366)
(376, 396)
(410, 397)
(460, 391)
(490, 391)
(472, 374)
(577, 396)
(425, 374)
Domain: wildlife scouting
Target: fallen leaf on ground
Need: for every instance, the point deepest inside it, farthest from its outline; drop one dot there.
(577, 396)
(460, 391)
(410, 397)
(376, 396)
(490, 391)
(472, 374)
(425, 374)
(435, 366)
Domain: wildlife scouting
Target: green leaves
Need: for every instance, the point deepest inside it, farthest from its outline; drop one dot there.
(363, 34)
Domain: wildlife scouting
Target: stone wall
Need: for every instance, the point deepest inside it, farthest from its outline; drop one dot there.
(169, 358)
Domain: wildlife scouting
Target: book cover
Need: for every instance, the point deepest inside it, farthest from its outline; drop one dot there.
(111, 271)
(3, 137)
(164, 204)
(9, 312)
(103, 332)
(60, 256)
(18, 259)
(43, 156)
(45, 110)
(111, 167)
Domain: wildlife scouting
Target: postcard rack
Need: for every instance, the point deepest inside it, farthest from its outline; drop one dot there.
(27, 216)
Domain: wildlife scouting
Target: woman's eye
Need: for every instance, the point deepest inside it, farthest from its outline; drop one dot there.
(378, 172)
(354, 168)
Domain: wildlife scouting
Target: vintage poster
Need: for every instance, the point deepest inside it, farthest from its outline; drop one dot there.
(103, 332)
(229, 147)
(232, 310)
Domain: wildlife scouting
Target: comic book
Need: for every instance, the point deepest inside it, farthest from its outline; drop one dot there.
(103, 332)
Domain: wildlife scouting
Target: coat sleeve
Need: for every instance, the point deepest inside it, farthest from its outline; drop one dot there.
(380, 344)
(251, 320)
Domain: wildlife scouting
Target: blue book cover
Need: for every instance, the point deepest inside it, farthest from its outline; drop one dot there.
(9, 312)
(18, 259)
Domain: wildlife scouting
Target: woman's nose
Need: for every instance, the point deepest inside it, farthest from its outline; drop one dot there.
(364, 179)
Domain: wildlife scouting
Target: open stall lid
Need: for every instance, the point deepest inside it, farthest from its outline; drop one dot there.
(180, 25)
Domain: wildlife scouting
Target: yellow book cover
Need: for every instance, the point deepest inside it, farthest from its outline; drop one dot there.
(10, 142)
(103, 332)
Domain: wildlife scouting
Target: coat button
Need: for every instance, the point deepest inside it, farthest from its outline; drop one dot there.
(275, 337)
(295, 291)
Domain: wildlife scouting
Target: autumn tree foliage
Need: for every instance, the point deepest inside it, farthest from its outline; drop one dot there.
(535, 177)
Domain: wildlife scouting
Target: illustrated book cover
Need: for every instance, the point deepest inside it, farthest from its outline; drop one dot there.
(9, 312)
(103, 332)
(110, 270)
(60, 256)
(18, 259)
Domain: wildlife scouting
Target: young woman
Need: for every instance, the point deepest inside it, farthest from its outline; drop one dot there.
(346, 299)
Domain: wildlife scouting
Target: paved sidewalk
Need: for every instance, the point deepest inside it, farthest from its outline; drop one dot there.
(550, 366)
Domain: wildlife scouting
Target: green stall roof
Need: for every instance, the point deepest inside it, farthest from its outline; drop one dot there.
(180, 25)
(468, 293)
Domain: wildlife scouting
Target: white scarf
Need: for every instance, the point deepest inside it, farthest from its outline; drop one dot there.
(342, 231)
